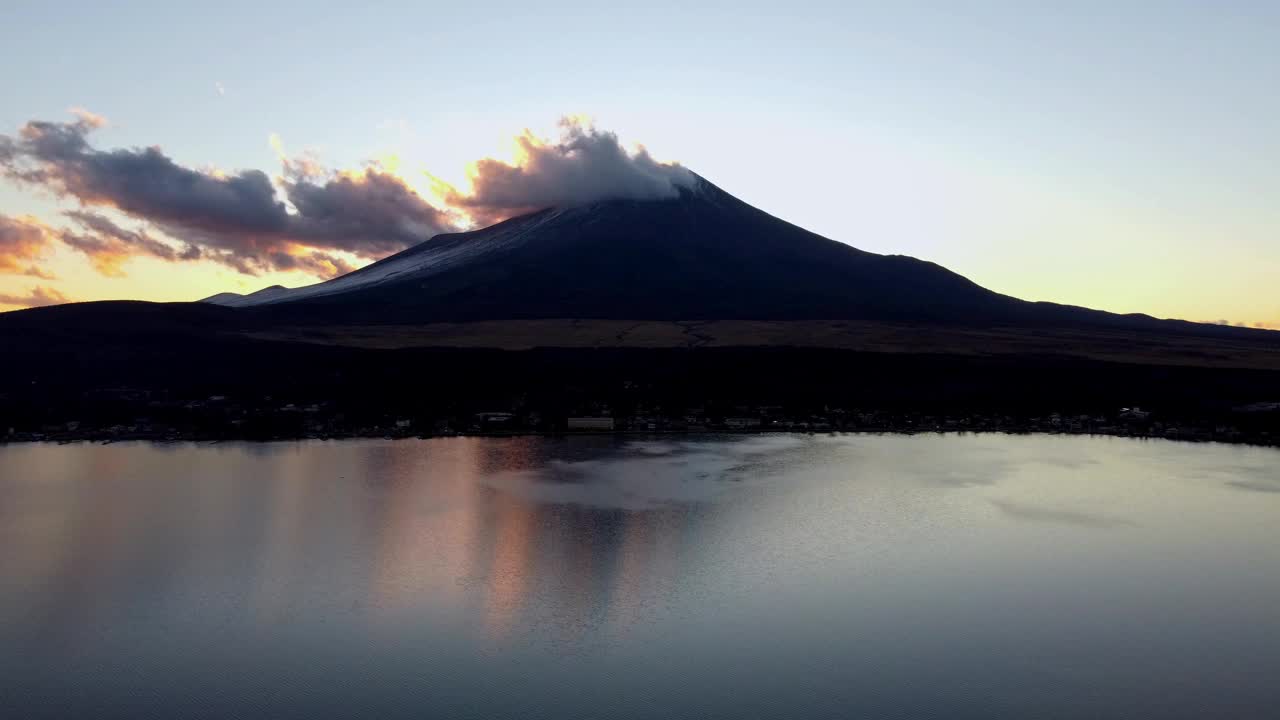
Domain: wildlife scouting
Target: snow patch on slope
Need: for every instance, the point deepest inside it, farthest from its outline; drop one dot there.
(447, 251)
(435, 255)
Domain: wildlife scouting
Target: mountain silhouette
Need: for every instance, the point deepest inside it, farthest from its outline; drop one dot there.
(703, 254)
(700, 255)
(697, 298)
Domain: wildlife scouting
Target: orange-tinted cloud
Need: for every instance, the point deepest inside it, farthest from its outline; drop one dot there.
(39, 296)
(23, 242)
(36, 272)
(234, 219)
(108, 246)
(583, 166)
(310, 219)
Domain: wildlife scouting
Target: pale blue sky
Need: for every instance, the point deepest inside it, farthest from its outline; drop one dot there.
(1124, 155)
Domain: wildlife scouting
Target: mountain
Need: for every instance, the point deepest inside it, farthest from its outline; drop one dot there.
(703, 254)
(231, 299)
(698, 300)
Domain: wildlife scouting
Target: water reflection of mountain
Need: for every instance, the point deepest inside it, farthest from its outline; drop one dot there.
(518, 536)
(451, 535)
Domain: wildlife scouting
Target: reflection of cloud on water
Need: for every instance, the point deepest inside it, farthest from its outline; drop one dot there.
(1253, 471)
(963, 461)
(1079, 518)
(931, 461)
(960, 478)
(1256, 485)
(649, 474)
(1068, 462)
(653, 447)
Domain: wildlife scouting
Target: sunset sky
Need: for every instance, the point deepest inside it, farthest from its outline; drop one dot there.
(1124, 156)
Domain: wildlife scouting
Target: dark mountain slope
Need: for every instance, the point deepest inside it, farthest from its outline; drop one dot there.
(701, 255)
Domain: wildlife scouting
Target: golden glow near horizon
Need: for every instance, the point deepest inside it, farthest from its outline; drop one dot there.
(1005, 233)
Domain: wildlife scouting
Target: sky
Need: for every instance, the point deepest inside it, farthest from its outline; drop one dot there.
(1123, 156)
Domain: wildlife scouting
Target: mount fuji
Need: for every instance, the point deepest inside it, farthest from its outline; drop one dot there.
(702, 254)
(691, 298)
(621, 271)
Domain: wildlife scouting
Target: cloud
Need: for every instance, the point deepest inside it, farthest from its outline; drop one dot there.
(234, 219)
(222, 89)
(1255, 485)
(583, 166)
(108, 246)
(1060, 516)
(23, 241)
(309, 219)
(89, 119)
(369, 213)
(39, 296)
(36, 272)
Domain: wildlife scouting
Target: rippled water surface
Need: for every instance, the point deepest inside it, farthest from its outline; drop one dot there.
(767, 576)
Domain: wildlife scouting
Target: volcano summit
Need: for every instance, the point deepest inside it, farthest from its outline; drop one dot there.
(699, 255)
(691, 253)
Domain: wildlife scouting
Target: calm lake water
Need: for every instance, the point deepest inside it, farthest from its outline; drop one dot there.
(598, 577)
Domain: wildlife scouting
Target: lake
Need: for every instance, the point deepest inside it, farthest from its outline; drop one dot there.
(950, 576)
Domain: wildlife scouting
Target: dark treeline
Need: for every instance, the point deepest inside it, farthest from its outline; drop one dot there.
(56, 381)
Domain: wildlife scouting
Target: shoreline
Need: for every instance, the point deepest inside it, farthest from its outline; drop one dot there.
(1264, 441)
